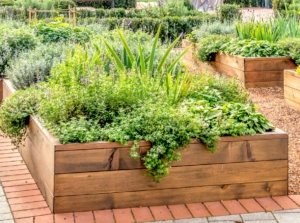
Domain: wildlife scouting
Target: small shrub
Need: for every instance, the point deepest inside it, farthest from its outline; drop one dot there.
(210, 45)
(292, 46)
(216, 28)
(228, 12)
(34, 66)
(60, 32)
(13, 42)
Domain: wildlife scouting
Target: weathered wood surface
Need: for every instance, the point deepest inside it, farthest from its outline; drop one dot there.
(179, 177)
(195, 154)
(1, 90)
(254, 72)
(292, 89)
(8, 89)
(170, 196)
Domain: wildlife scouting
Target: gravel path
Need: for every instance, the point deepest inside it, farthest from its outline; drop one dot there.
(271, 102)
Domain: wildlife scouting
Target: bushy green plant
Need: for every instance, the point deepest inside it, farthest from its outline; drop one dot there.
(34, 66)
(172, 27)
(64, 4)
(6, 2)
(272, 31)
(253, 48)
(45, 4)
(216, 27)
(228, 12)
(210, 45)
(13, 42)
(292, 47)
(60, 32)
(244, 3)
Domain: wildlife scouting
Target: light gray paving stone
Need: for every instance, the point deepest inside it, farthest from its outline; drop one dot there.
(224, 221)
(7, 221)
(2, 198)
(1, 191)
(287, 217)
(258, 216)
(4, 208)
(225, 218)
(192, 220)
(169, 221)
(6, 216)
(261, 221)
(288, 211)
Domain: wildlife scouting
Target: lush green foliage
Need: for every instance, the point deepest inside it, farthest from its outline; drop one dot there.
(228, 12)
(253, 48)
(45, 4)
(275, 29)
(59, 32)
(292, 46)
(216, 28)
(171, 27)
(210, 45)
(298, 70)
(34, 66)
(12, 42)
(13, 12)
(244, 3)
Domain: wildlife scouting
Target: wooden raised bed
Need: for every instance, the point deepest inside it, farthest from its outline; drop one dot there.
(101, 175)
(292, 89)
(254, 71)
(251, 71)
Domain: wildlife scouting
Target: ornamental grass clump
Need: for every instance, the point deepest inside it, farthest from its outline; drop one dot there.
(83, 102)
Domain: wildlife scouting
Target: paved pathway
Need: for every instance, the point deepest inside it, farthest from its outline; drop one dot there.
(5, 213)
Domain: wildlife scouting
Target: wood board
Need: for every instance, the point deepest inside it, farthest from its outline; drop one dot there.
(292, 89)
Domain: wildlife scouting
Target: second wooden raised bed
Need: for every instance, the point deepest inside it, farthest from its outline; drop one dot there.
(251, 72)
(102, 175)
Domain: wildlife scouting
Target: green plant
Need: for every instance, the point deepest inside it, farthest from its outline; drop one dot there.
(210, 45)
(34, 65)
(145, 65)
(14, 41)
(228, 12)
(60, 32)
(292, 47)
(253, 48)
(171, 27)
(272, 31)
(215, 27)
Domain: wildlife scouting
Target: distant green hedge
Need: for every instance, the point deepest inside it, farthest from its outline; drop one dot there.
(171, 28)
(100, 4)
(245, 3)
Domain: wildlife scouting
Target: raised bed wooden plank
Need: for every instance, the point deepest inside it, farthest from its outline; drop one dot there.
(263, 76)
(195, 154)
(1, 91)
(7, 88)
(42, 175)
(187, 176)
(268, 64)
(236, 62)
(169, 196)
(292, 89)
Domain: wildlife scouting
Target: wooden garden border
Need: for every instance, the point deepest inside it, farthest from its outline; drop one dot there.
(101, 175)
(251, 71)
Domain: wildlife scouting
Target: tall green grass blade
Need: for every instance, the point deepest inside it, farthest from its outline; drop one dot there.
(152, 55)
(115, 56)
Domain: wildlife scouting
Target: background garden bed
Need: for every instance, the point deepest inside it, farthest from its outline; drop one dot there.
(251, 72)
(292, 89)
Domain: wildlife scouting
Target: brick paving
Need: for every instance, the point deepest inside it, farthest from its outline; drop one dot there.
(22, 202)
